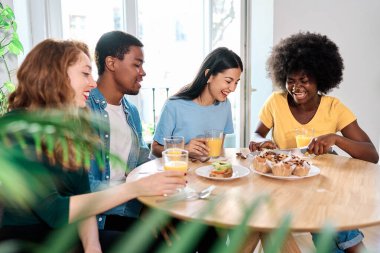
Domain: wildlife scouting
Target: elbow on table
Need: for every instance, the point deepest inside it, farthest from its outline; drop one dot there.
(376, 160)
(373, 158)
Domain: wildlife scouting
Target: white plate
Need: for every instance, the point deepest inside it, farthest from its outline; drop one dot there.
(238, 172)
(218, 159)
(312, 172)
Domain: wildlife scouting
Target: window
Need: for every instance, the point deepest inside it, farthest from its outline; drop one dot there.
(88, 24)
(175, 44)
(177, 35)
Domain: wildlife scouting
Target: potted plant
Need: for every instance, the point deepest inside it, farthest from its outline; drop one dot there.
(9, 45)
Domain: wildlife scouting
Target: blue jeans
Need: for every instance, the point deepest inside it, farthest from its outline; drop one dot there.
(343, 240)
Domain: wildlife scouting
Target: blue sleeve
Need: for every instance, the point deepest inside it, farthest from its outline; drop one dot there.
(95, 176)
(166, 123)
(229, 128)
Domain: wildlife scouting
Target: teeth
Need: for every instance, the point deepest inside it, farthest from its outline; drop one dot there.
(300, 94)
(86, 93)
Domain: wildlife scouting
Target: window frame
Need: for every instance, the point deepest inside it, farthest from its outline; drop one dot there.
(45, 21)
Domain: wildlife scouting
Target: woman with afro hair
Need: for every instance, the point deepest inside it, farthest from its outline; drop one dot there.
(306, 66)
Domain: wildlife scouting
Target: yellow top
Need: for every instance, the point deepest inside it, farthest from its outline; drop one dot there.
(331, 117)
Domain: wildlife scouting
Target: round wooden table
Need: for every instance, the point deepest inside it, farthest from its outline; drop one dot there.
(346, 193)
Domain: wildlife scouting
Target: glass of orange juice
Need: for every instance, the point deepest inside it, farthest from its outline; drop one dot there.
(175, 159)
(304, 136)
(214, 141)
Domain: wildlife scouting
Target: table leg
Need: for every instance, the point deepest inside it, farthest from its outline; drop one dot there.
(290, 245)
(251, 242)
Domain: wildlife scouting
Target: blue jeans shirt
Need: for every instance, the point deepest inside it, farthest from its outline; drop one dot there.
(99, 177)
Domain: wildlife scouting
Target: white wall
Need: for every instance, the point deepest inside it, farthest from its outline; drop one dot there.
(355, 27)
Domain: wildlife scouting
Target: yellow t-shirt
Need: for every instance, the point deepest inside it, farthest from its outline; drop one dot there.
(331, 117)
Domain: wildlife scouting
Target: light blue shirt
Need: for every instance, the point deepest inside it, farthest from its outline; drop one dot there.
(186, 118)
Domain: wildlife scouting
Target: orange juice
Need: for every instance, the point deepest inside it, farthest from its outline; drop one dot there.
(174, 151)
(303, 140)
(215, 146)
(176, 166)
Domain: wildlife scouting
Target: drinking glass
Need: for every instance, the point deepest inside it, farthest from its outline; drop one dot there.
(176, 159)
(174, 142)
(214, 140)
(304, 136)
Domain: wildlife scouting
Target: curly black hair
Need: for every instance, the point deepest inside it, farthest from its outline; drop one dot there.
(315, 54)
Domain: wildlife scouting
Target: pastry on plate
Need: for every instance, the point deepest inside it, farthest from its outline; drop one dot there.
(221, 170)
(301, 169)
(283, 169)
(261, 164)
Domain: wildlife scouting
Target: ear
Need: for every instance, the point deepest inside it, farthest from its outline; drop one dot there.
(109, 63)
(206, 72)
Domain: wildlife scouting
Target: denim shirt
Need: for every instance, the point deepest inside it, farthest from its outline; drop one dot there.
(99, 177)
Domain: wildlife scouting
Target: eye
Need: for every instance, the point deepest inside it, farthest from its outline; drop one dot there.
(86, 74)
(290, 81)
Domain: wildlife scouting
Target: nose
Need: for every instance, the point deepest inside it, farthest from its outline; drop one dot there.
(142, 72)
(92, 83)
(296, 85)
(232, 87)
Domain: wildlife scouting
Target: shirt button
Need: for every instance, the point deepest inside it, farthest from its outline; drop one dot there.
(107, 177)
(106, 135)
(103, 102)
(97, 100)
(105, 115)
(107, 157)
(100, 219)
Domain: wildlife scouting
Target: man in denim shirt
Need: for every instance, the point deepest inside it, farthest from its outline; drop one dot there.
(119, 58)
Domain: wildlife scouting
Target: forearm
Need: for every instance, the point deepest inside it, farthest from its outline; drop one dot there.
(89, 236)
(358, 149)
(157, 149)
(100, 201)
(256, 137)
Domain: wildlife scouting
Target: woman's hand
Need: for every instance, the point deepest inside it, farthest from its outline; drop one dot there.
(322, 144)
(254, 146)
(162, 183)
(197, 147)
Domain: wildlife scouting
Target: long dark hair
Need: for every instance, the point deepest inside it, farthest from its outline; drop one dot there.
(216, 62)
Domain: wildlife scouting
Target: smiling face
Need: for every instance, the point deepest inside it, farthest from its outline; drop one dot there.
(301, 87)
(129, 72)
(222, 84)
(81, 79)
